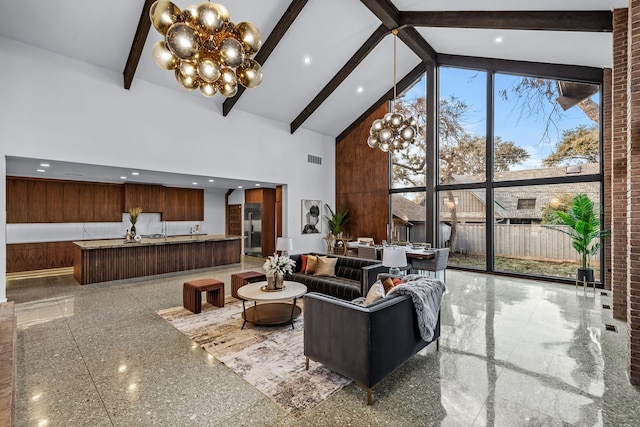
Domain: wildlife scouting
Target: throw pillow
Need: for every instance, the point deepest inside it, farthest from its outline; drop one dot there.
(312, 260)
(303, 264)
(375, 293)
(388, 285)
(326, 266)
(397, 281)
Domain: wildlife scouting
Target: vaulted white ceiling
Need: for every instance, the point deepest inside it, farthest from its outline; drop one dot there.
(328, 31)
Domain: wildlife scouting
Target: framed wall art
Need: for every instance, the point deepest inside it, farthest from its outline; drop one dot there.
(311, 219)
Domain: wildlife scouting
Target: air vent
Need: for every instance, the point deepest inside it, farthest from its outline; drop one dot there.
(610, 327)
(604, 294)
(314, 159)
(606, 306)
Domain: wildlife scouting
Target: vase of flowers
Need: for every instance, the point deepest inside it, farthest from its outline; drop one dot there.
(275, 267)
(134, 213)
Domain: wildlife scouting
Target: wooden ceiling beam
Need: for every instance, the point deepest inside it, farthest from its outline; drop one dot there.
(418, 45)
(344, 72)
(138, 44)
(386, 12)
(269, 45)
(572, 20)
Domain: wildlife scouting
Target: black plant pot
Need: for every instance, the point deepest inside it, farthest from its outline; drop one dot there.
(586, 274)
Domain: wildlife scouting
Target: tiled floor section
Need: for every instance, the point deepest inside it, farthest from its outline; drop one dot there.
(513, 353)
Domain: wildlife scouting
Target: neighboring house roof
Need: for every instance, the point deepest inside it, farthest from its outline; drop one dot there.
(406, 210)
(506, 199)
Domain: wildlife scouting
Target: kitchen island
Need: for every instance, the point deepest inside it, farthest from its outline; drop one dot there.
(114, 259)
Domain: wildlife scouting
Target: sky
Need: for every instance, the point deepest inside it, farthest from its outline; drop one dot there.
(510, 124)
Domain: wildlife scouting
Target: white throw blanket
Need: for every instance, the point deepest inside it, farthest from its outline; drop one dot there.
(426, 294)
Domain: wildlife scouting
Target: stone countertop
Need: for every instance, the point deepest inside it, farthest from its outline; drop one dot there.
(169, 240)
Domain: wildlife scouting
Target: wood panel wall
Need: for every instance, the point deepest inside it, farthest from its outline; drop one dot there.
(362, 182)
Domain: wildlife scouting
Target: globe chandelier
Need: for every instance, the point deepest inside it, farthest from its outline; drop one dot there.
(394, 131)
(205, 49)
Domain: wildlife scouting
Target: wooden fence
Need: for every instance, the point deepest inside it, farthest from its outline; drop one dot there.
(524, 241)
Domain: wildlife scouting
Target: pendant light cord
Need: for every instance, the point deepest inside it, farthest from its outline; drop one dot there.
(395, 36)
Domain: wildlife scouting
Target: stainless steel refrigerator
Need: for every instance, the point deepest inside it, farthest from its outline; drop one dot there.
(253, 229)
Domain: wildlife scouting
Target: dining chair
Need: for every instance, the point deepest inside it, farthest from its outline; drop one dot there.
(435, 265)
(368, 252)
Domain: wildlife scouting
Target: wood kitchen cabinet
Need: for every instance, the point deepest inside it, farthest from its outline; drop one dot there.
(33, 200)
(17, 203)
(107, 200)
(151, 198)
(183, 204)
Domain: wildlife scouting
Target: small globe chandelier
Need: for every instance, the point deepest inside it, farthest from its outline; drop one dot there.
(394, 131)
(205, 49)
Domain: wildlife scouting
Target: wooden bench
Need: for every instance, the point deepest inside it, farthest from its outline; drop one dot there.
(238, 280)
(192, 294)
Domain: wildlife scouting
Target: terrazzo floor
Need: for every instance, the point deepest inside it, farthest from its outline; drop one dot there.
(512, 353)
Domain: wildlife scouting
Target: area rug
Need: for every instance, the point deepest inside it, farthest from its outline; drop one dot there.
(271, 358)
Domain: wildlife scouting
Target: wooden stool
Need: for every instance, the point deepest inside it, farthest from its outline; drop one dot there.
(240, 279)
(192, 294)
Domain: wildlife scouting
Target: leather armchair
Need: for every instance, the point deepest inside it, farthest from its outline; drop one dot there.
(362, 343)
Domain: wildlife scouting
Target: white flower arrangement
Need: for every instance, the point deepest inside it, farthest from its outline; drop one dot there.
(278, 264)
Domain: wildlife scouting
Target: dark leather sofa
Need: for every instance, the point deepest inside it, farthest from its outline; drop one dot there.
(378, 339)
(353, 277)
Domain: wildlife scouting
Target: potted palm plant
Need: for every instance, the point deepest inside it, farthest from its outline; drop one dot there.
(336, 220)
(585, 232)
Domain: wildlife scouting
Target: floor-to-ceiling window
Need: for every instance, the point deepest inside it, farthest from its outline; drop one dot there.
(462, 164)
(408, 172)
(512, 150)
(554, 126)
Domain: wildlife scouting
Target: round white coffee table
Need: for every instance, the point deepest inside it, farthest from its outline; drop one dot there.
(274, 309)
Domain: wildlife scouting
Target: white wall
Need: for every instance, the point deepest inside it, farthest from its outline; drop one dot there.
(60, 109)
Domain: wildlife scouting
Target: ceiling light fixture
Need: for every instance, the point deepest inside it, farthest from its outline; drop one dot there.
(123, 177)
(205, 49)
(307, 59)
(211, 180)
(135, 173)
(44, 165)
(40, 170)
(498, 39)
(360, 89)
(194, 183)
(394, 131)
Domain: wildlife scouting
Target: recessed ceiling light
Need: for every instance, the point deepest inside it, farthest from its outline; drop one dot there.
(257, 185)
(360, 89)
(211, 180)
(123, 177)
(135, 173)
(498, 39)
(44, 165)
(41, 170)
(239, 186)
(307, 59)
(194, 183)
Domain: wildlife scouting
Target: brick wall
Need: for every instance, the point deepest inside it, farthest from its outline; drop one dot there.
(618, 240)
(633, 191)
(606, 160)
